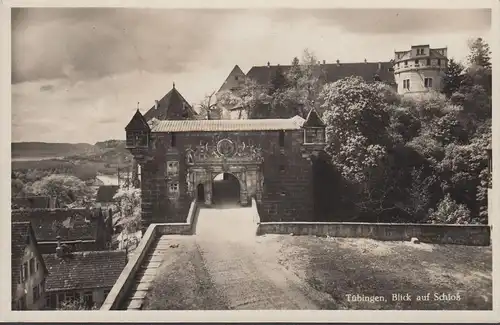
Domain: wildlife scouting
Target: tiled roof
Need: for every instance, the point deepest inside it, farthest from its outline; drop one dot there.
(138, 122)
(173, 102)
(31, 202)
(331, 71)
(294, 123)
(84, 270)
(105, 193)
(21, 235)
(69, 224)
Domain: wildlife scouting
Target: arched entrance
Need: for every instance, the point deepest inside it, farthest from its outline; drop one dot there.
(200, 193)
(225, 190)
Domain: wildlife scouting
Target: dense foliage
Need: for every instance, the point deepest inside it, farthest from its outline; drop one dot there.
(391, 158)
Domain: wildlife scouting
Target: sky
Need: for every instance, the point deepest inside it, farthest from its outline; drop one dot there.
(78, 73)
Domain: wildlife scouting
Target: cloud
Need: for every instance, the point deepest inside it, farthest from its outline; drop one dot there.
(79, 73)
(82, 43)
(395, 21)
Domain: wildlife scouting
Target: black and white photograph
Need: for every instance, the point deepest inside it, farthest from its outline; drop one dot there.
(272, 158)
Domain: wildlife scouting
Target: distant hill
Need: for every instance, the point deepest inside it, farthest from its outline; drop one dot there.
(44, 149)
(103, 157)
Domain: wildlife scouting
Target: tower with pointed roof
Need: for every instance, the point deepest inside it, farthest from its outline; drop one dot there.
(420, 70)
(173, 106)
(233, 83)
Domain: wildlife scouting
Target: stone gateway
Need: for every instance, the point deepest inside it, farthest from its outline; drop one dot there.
(269, 160)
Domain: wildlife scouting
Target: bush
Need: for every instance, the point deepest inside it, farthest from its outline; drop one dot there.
(449, 212)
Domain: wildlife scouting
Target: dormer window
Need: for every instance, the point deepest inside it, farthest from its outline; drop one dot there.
(420, 52)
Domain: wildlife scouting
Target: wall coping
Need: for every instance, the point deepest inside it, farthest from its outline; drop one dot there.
(123, 284)
(374, 224)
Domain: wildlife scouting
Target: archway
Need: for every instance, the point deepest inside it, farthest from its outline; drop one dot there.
(200, 193)
(225, 190)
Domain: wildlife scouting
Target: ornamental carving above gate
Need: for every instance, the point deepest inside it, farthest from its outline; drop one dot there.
(224, 151)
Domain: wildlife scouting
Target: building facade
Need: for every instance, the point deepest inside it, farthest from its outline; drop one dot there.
(419, 70)
(28, 269)
(82, 277)
(269, 158)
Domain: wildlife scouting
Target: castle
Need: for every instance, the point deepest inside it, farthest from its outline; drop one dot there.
(270, 161)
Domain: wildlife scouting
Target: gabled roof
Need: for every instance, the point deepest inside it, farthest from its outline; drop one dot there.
(171, 106)
(137, 123)
(105, 193)
(21, 236)
(331, 72)
(84, 270)
(31, 202)
(294, 123)
(313, 120)
(230, 81)
(69, 224)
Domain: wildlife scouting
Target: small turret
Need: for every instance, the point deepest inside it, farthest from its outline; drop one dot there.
(314, 134)
(138, 131)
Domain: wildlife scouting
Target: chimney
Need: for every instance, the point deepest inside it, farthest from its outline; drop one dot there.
(156, 104)
(338, 62)
(366, 61)
(268, 64)
(173, 84)
(324, 61)
(380, 66)
(59, 249)
(319, 62)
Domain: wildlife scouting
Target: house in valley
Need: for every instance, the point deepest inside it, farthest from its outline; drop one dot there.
(81, 229)
(28, 269)
(86, 276)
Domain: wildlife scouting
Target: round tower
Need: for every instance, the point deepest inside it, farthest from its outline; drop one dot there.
(420, 69)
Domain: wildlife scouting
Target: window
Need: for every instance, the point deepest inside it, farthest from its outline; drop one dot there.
(42, 287)
(439, 62)
(24, 274)
(36, 293)
(173, 189)
(282, 138)
(416, 62)
(173, 140)
(106, 293)
(22, 303)
(428, 61)
(88, 299)
(60, 300)
(37, 265)
(172, 167)
(32, 266)
(315, 135)
(428, 82)
(53, 301)
(236, 78)
(406, 84)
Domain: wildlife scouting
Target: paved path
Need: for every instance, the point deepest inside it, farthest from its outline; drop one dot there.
(245, 273)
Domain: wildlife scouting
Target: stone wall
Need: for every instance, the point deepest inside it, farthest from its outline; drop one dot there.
(477, 235)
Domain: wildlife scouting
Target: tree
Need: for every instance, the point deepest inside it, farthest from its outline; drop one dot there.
(279, 81)
(251, 98)
(209, 109)
(69, 190)
(453, 77)
(128, 212)
(479, 53)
